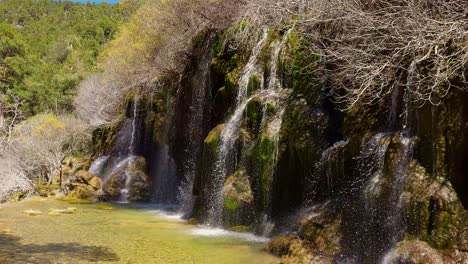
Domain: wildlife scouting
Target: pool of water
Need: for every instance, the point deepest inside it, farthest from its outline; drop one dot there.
(116, 233)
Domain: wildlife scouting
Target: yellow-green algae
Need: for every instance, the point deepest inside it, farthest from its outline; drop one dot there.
(123, 235)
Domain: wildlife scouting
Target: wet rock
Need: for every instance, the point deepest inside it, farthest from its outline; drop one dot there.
(413, 252)
(321, 231)
(291, 249)
(129, 174)
(435, 214)
(213, 138)
(238, 199)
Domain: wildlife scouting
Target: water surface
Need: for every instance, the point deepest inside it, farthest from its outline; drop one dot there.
(124, 234)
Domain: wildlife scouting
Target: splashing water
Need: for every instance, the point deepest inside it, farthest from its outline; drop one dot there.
(383, 163)
(250, 68)
(327, 165)
(99, 165)
(228, 138)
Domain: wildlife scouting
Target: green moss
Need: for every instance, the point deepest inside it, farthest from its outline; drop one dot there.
(301, 66)
(264, 157)
(254, 114)
(230, 204)
(213, 138)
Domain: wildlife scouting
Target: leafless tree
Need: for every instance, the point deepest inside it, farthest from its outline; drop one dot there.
(9, 117)
(37, 150)
(369, 48)
(98, 101)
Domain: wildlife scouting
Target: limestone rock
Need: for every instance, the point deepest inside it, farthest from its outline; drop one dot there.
(414, 252)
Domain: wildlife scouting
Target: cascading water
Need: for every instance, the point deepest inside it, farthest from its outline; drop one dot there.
(194, 123)
(272, 131)
(384, 162)
(132, 146)
(162, 165)
(229, 136)
(99, 165)
(122, 157)
(331, 164)
(250, 68)
(124, 193)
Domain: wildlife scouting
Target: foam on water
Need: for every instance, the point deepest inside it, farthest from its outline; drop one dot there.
(205, 231)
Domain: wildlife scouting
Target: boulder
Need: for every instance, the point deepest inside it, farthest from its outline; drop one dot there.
(413, 252)
(131, 174)
(238, 199)
(83, 185)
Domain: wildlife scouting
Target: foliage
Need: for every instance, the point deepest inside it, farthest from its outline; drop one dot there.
(48, 47)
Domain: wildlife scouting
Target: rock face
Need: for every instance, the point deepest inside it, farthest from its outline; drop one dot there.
(130, 175)
(78, 182)
(384, 175)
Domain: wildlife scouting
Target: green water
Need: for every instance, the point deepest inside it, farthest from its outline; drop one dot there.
(122, 235)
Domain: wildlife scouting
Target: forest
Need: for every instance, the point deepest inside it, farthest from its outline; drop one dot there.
(234, 131)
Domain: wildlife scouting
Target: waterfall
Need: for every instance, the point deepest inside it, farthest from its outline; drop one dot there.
(194, 124)
(331, 164)
(229, 135)
(228, 138)
(272, 130)
(383, 165)
(249, 69)
(99, 165)
(132, 147)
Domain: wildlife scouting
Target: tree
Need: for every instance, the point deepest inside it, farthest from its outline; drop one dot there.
(12, 62)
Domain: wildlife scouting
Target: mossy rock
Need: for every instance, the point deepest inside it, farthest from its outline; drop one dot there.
(140, 189)
(414, 252)
(213, 139)
(323, 233)
(81, 194)
(135, 169)
(291, 249)
(254, 112)
(47, 190)
(237, 191)
(115, 183)
(435, 214)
